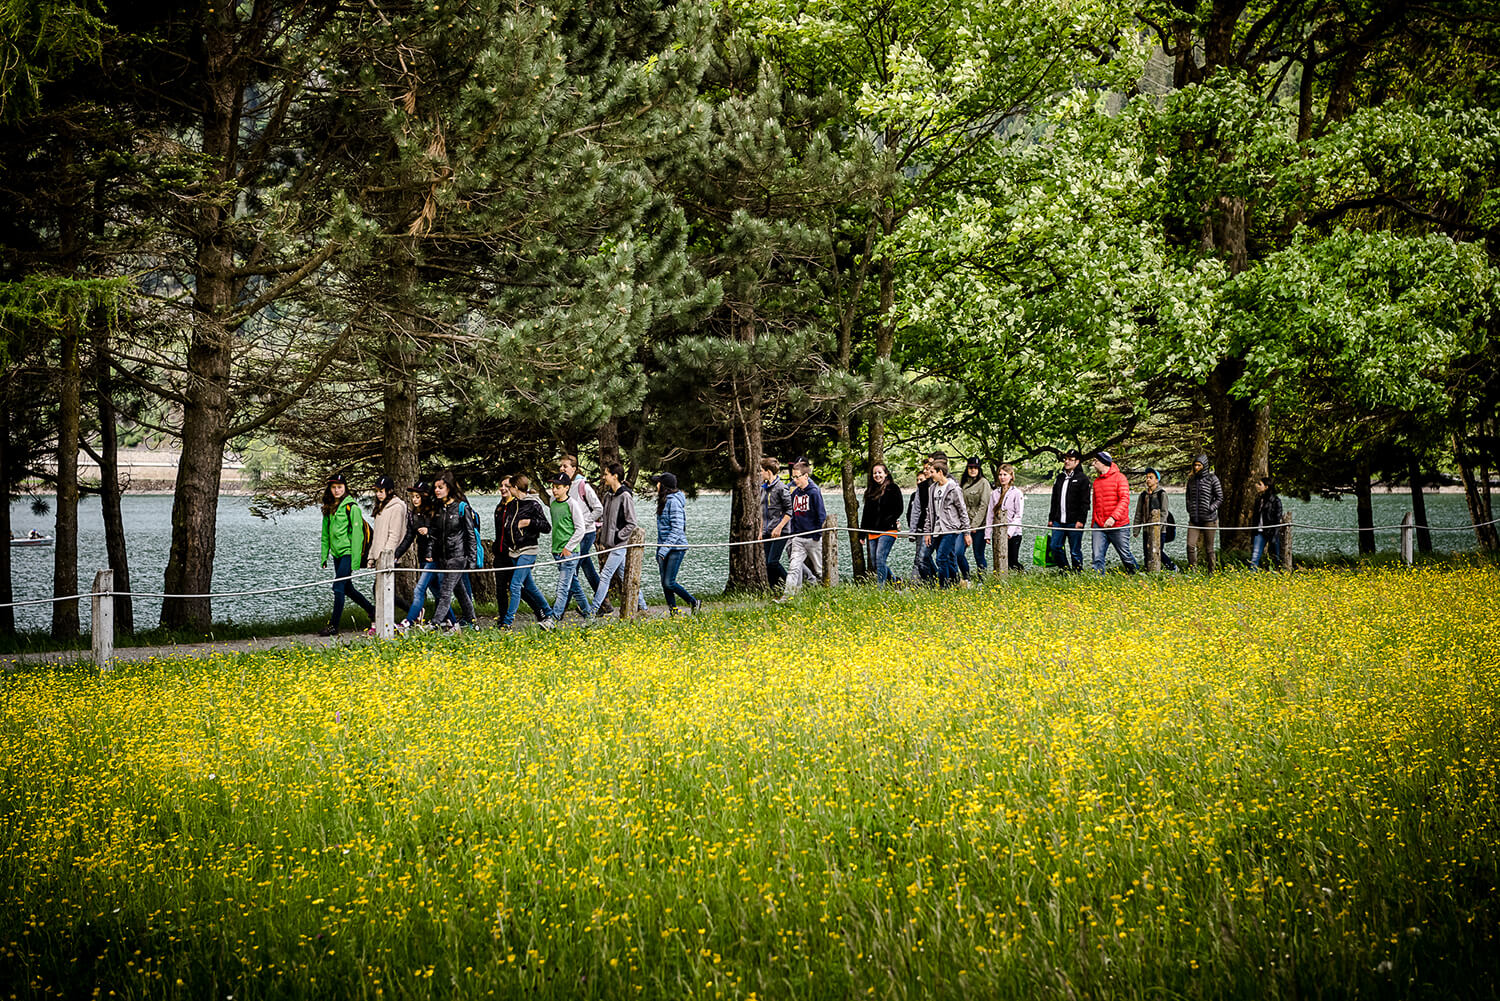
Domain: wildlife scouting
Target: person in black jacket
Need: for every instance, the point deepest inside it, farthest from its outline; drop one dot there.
(418, 530)
(1072, 494)
(1204, 496)
(880, 521)
(1268, 518)
(519, 521)
(776, 515)
(455, 541)
(507, 540)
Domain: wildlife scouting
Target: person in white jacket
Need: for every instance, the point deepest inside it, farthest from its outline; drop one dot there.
(580, 488)
(1007, 504)
(390, 519)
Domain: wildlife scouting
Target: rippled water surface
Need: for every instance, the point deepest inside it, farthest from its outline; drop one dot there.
(255, 554)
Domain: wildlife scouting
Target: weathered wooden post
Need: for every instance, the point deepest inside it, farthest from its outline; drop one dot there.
(1000, 544)
(1286, 545)
(830, 552)
(103, 612)
(1408, 529)
(634, 557)
(385, 595)
(1151, 535)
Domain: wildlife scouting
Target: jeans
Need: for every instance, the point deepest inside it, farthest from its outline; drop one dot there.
(451, 585)
(807, 561)
(922, 567)
(979, 544)
(614, 564)
(342, 585)
(669, 563)
(949, 546)
(523, 585)
(569, 586)
(1120, 539)
(585, 547)
(1263, 542)
(426, 584)
(775, 572)
(878, 552)
(1073, 537)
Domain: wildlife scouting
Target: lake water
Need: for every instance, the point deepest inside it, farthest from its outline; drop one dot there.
(254, 553)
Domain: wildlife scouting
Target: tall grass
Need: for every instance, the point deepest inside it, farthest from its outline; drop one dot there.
(1252, 786)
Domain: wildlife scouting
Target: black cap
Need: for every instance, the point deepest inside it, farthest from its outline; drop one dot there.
(1072, 453)
(665, 479)
(337, 478)
(385, 483)
(420, 487)
(973, 463)
(561, 480)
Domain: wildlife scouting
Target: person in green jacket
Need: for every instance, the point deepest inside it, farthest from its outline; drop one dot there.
(344, 540)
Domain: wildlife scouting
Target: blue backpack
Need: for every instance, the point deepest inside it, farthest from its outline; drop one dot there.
(472, 520)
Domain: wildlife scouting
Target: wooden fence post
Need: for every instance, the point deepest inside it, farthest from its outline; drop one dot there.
(1408, 528)
(1286, 545)
(385, 595)
(103, 621)
(634, 557)
(1152, 537)
(830, 552)
(1000, 543)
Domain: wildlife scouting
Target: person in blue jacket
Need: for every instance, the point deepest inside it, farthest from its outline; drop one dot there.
(671, 540)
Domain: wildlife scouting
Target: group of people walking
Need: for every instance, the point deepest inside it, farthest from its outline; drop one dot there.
(958, 524)
(438, 519)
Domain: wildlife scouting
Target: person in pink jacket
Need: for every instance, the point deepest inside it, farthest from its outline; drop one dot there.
(1111, 512)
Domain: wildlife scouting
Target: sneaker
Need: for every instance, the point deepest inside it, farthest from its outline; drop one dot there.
(606, 608)
(329, 630)
(548, 624)
(402, 627)
(697, 605)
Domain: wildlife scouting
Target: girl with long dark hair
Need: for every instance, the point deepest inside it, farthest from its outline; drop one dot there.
(344, 540)
(880, 521)
(455, 531)
(671, 540)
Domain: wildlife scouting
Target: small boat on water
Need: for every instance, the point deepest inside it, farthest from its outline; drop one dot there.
(33, 539)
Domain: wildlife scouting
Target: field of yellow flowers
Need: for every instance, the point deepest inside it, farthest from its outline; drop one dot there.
(1248, 786)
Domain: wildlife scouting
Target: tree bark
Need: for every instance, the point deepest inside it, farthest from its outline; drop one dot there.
(110, 490)
(1479, 511)
(398, 451)
(65, 534)
(609, 442)
(1419, 509)
(747, 563)
(7, 594)
(1365, 508)
(205, 417)
(1242, 442)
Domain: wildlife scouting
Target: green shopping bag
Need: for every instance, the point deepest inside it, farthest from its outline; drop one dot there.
(1039, 552)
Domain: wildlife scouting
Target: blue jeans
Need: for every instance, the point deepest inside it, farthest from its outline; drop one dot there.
(569, 586)
(523, 582)
(669, 565)
(614, 564)
(878, 552)
(531, 595)
(979, 543)
(922, 563)
(949, 546)
(429, 583)
(342, 585)
(775, 572)
(585, 547)
(1073, 537)
(1120, 539)
(1259, 546)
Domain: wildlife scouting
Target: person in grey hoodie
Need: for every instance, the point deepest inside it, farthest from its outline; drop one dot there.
(1205, 495)
(776, 515)
(950, 523)
(617, 523)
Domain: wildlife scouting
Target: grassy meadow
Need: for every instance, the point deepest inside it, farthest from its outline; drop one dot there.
(1248, 786)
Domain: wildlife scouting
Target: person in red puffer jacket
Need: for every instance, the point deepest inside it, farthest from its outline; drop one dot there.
(1111, 513)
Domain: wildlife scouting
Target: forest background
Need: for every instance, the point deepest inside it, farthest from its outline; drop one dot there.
(389, 237)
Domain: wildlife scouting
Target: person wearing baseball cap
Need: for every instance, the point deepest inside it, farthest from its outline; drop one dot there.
(343, 540)
(1069, 511)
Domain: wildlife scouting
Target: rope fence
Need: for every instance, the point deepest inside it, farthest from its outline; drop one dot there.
(103, 594)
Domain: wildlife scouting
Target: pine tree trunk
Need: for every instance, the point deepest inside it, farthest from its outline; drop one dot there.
(851, 497)
(398, 450)
(65, 535)
(7, 593)
(609, 442)
(1242, 440)
(1365, 508)
(747, 563)
(110, 491)
(1419, 509)
(205, 418)
(885, 342)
